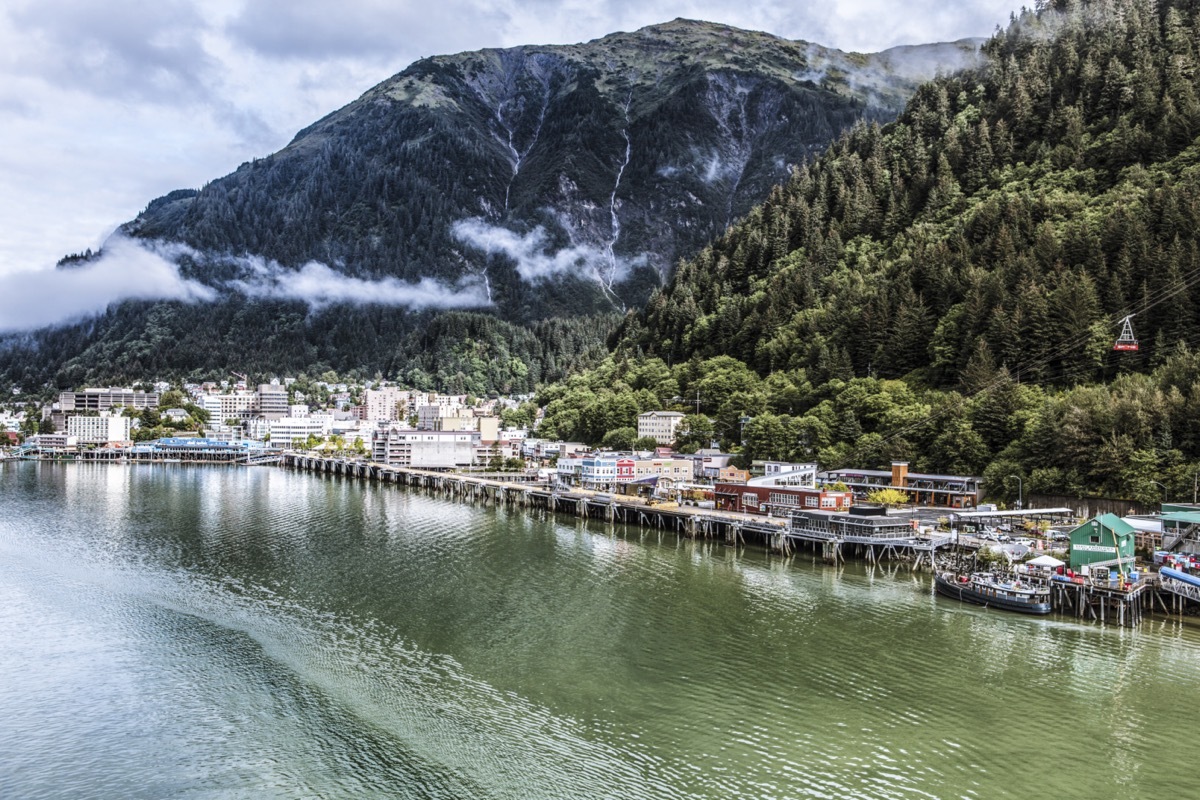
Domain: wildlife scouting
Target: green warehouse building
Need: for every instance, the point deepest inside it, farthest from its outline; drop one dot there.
(1106, 541)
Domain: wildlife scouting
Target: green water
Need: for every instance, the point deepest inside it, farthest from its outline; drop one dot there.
(177, 632)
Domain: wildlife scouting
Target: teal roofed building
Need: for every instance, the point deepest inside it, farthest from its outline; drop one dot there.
(1106, 541)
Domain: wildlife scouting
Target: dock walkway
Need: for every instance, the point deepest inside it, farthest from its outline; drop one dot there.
(519, 492)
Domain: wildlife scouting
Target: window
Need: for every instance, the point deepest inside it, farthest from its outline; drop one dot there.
(811, 501)
(1094, 539)
(750, 499)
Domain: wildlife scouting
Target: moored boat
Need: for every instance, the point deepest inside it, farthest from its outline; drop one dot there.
(988, 590)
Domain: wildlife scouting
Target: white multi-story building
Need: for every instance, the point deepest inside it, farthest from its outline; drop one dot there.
(287, 431)
(104, 429)
(271, 401)
(228, 406)
(659, 425)
(424, 449)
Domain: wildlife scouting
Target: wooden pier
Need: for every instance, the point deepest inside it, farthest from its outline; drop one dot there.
(1119, 605)
(517, 490)
(1103, 603)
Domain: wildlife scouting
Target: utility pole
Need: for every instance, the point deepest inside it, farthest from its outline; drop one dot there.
(1020, 492)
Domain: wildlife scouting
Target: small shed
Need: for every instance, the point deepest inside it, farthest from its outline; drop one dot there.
(1105, 541)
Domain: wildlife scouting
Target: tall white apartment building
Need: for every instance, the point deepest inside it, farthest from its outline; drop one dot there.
(387, 404)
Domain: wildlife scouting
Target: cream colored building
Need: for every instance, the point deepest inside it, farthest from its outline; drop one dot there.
(659, 425)
(678, 470)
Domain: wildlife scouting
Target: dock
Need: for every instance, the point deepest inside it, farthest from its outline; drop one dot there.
(521, 491)
(833, 536)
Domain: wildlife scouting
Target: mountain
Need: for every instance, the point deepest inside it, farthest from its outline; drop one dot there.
(556, 183)
(947, 289)
(1020, 211)
(564, 179)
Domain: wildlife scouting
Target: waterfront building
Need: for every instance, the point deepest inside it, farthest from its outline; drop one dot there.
(780, 493)
(103, 429)
(676, 470)
(1105, 541)
(424, 449)
(659, 425)
(867, 524)
(598, 472)
(52, 441)
(287, 431)
(951, 491)
(1181, 527)
(570, 468)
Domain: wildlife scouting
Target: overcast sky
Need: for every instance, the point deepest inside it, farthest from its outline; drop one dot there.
(106, 106)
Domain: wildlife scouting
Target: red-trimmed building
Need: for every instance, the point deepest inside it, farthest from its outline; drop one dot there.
(747, 498)
(781, 493)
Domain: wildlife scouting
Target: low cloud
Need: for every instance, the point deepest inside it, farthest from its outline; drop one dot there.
(536, 261)
(132, 269)
(318, 285)
(126, 270)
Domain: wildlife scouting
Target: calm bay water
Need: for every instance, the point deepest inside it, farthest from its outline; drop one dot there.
(178, 632)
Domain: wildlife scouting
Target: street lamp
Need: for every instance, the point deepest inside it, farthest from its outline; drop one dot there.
(1164, 488)
(1020, 492)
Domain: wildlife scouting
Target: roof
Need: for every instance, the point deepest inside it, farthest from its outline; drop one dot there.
(661, 414)
(1029, 512)
(887, 473)
(1190, 517)
(1113, 523)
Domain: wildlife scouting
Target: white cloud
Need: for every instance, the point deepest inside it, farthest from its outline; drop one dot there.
(536, 261)
(318, 285)
(127, 270)
(133, 269)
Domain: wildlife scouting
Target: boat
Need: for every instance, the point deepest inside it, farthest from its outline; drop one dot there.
(986, 589)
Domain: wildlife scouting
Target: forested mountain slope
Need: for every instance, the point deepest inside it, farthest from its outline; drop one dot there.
(983, 249)
(1016, 212)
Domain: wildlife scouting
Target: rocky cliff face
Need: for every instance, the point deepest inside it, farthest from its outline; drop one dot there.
(554, 180)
